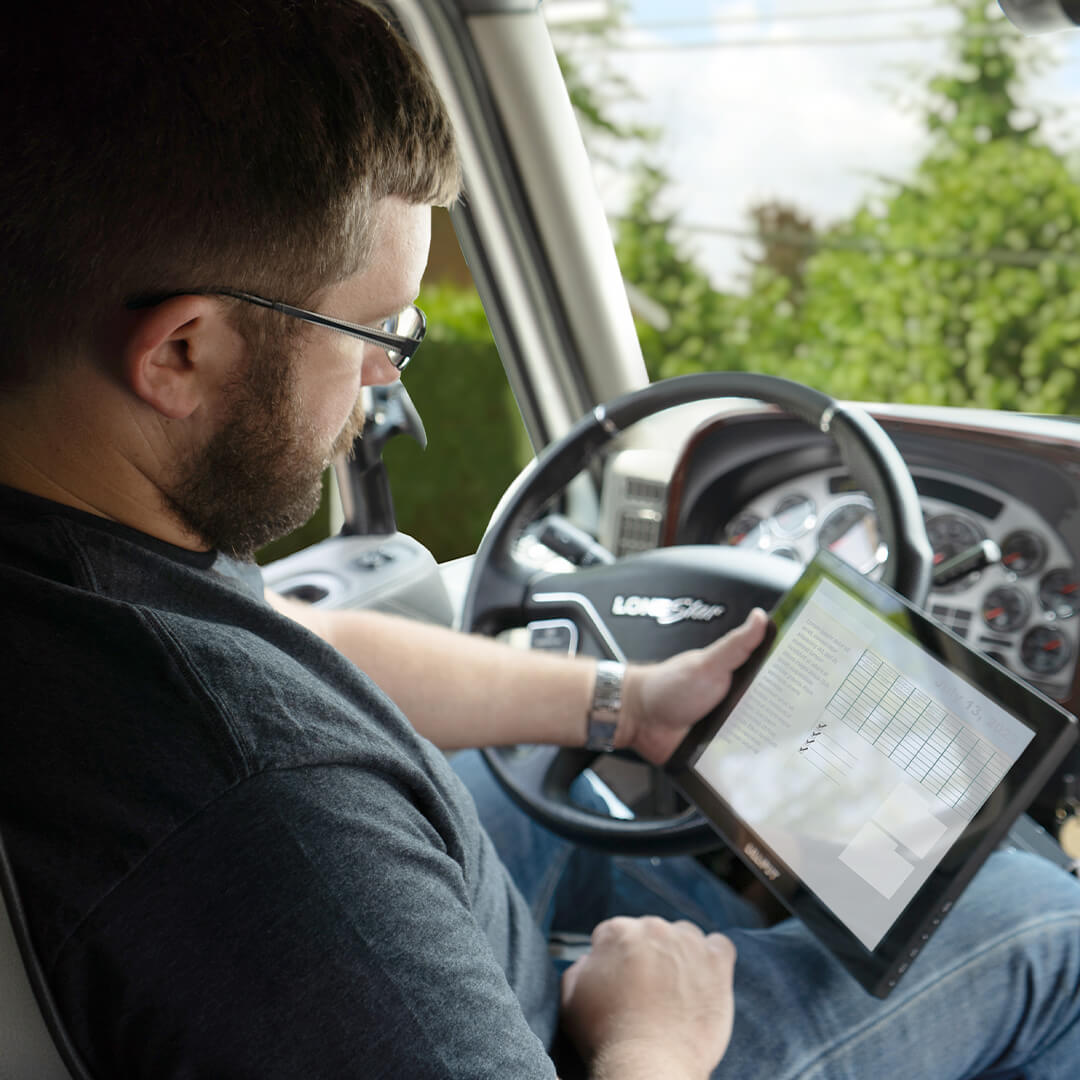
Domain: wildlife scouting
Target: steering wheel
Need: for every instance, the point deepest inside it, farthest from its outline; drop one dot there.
(609, 603)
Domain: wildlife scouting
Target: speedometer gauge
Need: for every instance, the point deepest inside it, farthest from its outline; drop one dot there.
(793, 515)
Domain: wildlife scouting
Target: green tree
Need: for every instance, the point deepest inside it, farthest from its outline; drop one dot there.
(975, 102)
(958, 287)
(961, 287)
(595, 86)
(651, 258)
(785, 238)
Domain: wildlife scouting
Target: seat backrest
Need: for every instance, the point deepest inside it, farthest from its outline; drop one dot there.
(33, 1043)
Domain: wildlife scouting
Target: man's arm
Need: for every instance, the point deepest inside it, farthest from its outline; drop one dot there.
(462, 690)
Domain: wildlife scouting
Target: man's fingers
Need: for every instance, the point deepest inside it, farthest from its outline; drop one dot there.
(723, 945)
(737, 645)
(569, 979)
(616, 926)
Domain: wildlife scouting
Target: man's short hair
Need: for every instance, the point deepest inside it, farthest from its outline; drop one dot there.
(150, 146)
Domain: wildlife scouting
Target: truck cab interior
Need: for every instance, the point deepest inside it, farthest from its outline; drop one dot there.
(714, 488)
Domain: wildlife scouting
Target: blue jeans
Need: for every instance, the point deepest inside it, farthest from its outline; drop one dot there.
(995, 994)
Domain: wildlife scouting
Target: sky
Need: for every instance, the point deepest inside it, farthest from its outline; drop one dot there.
(784, 105)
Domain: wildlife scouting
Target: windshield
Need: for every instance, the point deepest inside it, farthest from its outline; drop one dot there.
(879, 200)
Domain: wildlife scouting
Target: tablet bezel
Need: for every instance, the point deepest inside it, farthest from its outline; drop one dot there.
(1055, 731)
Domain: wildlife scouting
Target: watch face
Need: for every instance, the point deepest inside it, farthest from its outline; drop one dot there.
(606, 704)
(607, 694)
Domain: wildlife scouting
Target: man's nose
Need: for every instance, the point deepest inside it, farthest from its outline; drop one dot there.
(378, 371)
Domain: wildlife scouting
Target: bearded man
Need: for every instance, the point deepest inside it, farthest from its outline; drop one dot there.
(238, 856)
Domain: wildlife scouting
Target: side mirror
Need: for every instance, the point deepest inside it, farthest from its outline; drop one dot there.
(365, 486)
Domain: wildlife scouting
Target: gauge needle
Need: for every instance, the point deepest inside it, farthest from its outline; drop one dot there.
(993, 613)
(1050, 646)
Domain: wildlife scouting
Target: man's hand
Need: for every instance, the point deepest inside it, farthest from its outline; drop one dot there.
(652, 998)
(662, 701)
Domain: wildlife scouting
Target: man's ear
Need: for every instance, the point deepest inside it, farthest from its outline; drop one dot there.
(178, 353)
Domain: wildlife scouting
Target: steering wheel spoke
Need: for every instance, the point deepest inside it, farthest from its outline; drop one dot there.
(501, 602)
(540, 780)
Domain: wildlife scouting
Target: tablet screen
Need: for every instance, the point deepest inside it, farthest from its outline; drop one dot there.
(858, 758)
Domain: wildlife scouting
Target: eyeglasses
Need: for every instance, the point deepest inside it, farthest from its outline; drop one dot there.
(399, 335)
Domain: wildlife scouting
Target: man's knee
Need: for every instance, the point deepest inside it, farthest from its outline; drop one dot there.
(1023, 912)
(1012, 883)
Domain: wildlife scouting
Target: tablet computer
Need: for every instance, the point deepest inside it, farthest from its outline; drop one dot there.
(865, 763)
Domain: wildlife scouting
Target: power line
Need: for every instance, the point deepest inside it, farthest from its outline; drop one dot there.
(780, 43)
(756, 19)
(1029, 259)
(785, 16)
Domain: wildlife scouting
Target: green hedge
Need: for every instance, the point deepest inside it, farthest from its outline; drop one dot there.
(477, 444)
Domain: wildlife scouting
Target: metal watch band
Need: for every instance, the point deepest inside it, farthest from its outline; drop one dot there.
(603, 716)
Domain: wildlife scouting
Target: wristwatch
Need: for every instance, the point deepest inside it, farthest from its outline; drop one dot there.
(606, 705)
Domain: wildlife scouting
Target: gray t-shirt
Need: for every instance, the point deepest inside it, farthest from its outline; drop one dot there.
(238, 858)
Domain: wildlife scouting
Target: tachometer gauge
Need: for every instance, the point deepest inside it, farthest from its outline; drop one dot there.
(1044, 650)
(851, 533)
(1023, 552)
(1059, 592)
(1005, 609)
(794, 515)
(744, 531)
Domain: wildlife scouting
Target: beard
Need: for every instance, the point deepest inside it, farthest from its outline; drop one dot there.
(260, 475)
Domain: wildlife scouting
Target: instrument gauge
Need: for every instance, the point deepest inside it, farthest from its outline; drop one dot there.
(1044, 650)
(794, 515)
(949, 535)
(1023, 552)
(1059, 592)
(851, 533)
(1005, 609)
(744, 531)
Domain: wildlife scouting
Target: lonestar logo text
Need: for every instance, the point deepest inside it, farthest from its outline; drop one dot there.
(667, 610)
